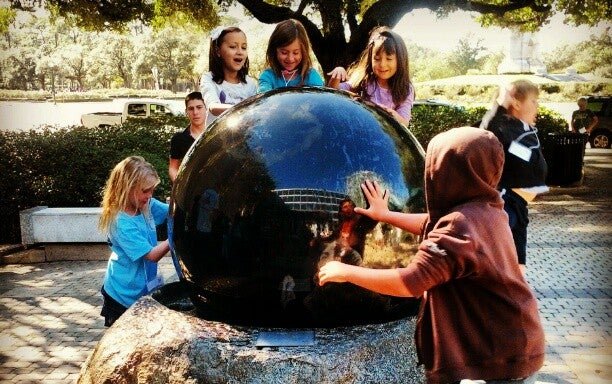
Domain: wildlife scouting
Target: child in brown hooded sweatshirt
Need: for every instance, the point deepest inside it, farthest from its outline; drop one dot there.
(478, 317)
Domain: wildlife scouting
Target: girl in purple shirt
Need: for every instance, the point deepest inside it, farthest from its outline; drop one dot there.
(381, 75)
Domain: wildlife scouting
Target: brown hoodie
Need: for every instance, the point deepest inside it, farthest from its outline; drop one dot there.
(478, 318)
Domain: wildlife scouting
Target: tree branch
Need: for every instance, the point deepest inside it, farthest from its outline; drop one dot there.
(501, 9)
(389, 12)
(352, 9)
(302, 6)
(270, 14)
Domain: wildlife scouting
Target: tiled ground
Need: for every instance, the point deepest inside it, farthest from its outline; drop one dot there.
(570, 269)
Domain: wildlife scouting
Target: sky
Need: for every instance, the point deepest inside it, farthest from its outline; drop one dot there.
(423, 28)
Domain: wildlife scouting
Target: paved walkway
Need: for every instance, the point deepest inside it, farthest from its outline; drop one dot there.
(49, 312)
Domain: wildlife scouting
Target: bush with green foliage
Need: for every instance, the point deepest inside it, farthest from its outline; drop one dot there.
(549, 122)
(483, 93)
(91, 95)
(68, 167)
(429, 120)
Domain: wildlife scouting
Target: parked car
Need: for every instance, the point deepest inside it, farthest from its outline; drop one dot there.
(131, 109)
(600, 135)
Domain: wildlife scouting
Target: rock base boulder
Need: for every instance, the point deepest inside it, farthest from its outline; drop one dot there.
(151, 343)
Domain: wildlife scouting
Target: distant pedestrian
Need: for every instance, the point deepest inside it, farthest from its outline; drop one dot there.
(583, 119)
(129, 218)
(288, 58)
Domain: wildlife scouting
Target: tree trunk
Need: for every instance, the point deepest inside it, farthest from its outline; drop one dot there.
(328, 42)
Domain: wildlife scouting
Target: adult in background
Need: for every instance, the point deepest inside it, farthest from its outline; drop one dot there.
(181, 141)
(583, 119)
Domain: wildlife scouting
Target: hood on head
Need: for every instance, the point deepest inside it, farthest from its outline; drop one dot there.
(462, 165)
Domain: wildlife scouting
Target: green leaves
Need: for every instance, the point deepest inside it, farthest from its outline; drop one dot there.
(429, 120)
(69, 166)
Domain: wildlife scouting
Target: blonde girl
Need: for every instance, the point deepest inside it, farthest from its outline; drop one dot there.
(228, 81)
(288, 58)
(381, 75)
(512, 119)
(129, 217)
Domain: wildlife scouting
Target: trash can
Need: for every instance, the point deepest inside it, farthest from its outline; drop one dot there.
(564, 154)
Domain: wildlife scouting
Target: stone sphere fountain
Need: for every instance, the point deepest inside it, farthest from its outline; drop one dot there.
(263, 198)
(258, 205)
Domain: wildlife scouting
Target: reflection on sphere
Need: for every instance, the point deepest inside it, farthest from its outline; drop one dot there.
(266, 195)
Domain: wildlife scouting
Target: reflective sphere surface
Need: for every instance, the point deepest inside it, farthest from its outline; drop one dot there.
(266, 195)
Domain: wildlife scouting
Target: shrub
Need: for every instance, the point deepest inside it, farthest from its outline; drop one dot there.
(549, 122)
(429, 120)
(467, 93)
(91, 95)
(550, 88)
(69, 166)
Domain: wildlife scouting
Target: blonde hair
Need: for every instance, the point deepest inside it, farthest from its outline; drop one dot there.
(130, 173)
(520, 89)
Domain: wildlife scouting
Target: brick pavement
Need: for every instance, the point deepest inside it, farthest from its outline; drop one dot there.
(49, 312)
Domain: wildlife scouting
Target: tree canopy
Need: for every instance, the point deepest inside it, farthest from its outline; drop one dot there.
(338, 29)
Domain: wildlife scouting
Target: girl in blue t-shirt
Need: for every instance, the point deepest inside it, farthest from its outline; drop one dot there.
(288, 56)
(129, 216)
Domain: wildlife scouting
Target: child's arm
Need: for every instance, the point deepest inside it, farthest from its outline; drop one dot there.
(403, 112)
(384, 281)
(379, 211)
(336, 76)
(505, 96)
(213, 102)
(158, 251)
(218, 108)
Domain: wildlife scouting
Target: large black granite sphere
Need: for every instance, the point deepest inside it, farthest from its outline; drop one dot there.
(266, 195)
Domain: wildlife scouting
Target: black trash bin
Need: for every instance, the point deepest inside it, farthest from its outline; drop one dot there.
(564, 154)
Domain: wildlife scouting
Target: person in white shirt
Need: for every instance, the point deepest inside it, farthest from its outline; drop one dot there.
(227, 82)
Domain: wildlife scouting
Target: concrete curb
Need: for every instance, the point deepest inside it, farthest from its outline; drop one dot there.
(54, 252)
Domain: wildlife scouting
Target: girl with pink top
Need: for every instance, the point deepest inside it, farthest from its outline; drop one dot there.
(381, 75)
